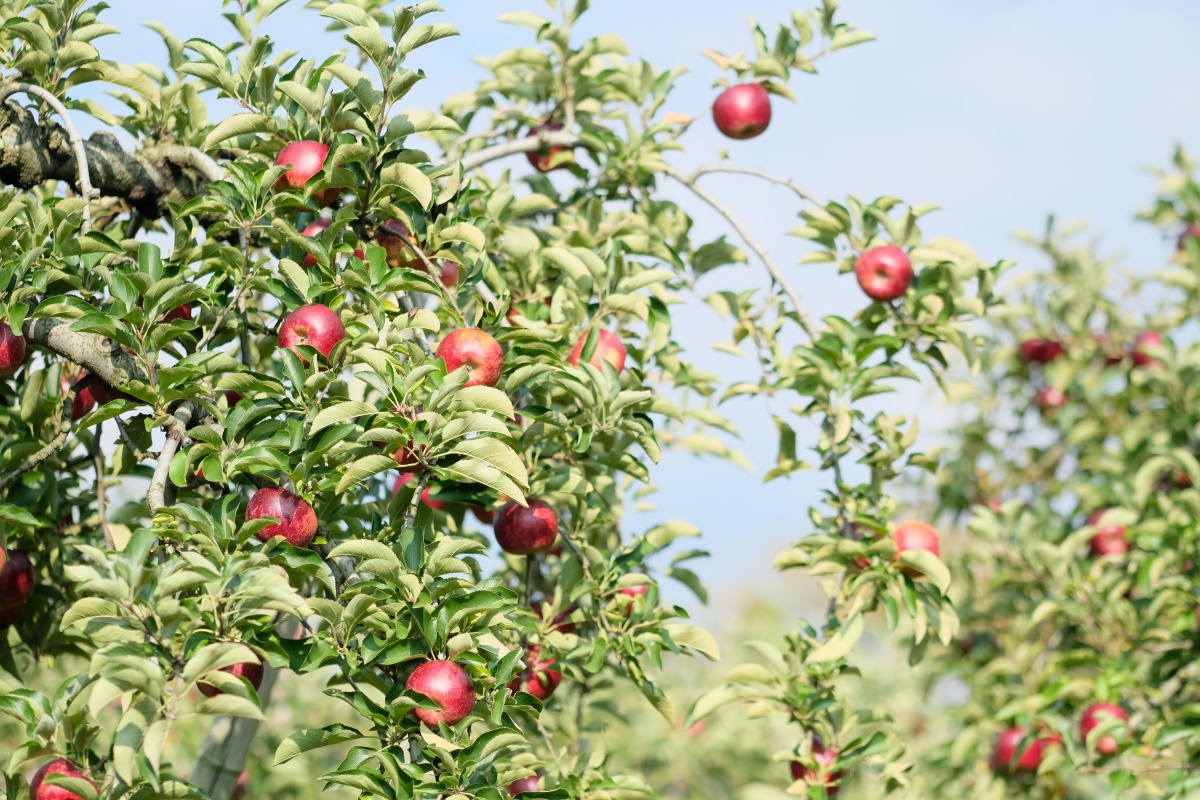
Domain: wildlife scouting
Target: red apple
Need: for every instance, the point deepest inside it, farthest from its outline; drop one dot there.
(448, 685)
(1040, 351)
(824, 775)
(559, 622)
(1140, 357)
(486, 516)
(913, 535)
(1029, 759)
(16, 580)
(1093, 716)
(884, 273)
(10, 616)
(232, 398)
(40, 790)
(90, 393)
(1049, 400)
(317, 226)
(1192, 231)
(391, 236)
(537, 679)
(1113, 355)
(608, 348)
(449, 275)
(315, 325)
(524, 531)
(633, 592)
(297, 520)
(12, 351)
(306, 158)
(250, 670)
(540, 159)
(742, 112)
(475, 349)
(530, 784)
(411, 457)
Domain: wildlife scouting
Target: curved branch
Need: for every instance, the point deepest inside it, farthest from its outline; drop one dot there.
(101, 356)
(800, 191)
(33, 152)
(83, 179)
(776, 274)
(529, 144)
(156, 495)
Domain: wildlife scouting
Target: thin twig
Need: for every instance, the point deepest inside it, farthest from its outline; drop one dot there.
(800, 191)
(62, 426)
(138, 453)
(81, 165)
(776, 274)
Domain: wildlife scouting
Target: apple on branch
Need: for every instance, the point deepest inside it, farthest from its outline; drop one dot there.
(476, 350)
(297, 521)
(608, 348)
(315, 325)
(526, 530)
(884, 273)
(448, 685)
(742, 112)
(39, 789)
(304, 160)
(12, 351)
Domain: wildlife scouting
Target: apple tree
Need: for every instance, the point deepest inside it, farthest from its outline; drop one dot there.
(283, 362)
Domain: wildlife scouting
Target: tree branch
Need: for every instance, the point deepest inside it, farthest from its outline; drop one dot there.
(800, 191)
(101, 356)
(32, 153)
(776, 274)
(83, 180)
(529, 144)
(63, 432)
(156, 495)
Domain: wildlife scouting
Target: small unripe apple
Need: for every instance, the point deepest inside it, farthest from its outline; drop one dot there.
(448, 685)
(314, 325)
(475, 349)
(913, 535)
(742, 112)
(608, 348)
(537, 679)
(16, 579)
(1093, 716)
(298, 521)
(1040, 351)
(530, 784)
(527, 530)
(250, 670)
(1138, 354)
(1029, 759)
(1048, 399)
(884, 273)
(12, 351)
(824, 775)
(40, 790)
(540, 159)
(306, 158)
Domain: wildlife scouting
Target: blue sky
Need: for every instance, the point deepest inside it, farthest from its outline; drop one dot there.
(1000, 111)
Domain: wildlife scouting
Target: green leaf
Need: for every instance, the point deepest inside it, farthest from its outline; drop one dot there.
(238, 125)
(928, 565)
(340, 413)
(313, 739)
(841, 643)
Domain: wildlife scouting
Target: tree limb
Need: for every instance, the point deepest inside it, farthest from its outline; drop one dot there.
(800, 191)
(529, 144)
(776, 274)
(156, 495)
(100, 355)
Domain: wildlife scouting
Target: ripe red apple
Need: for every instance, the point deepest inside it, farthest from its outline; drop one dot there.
(1140, 357)
(40, 790)
(449, 274)
(12, 351)
(530, 784)
(315, 325)
(297, 520)
(16, 580)
(1049, 399)
(1192, 231)
(915, 535)
(540, 159)
(232, 398)
(90, 393)
(524, 531)
(411, 457)
(742, 112)
(537, 679)
(1040, 351)
(306, 158)
(477, 350)
(884, 273)
(250, 670)
(1093, 716)
(10, 616)
(486, 516)
(1109, 539)
(1028, 760)
(448, 685)
(824, 775)
(317, 226)
(608, 348)
(391, 236)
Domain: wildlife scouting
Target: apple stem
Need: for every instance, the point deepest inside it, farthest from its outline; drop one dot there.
(776, 274)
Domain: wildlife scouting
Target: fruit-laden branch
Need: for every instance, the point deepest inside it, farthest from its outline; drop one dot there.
(32, 153)
(542, 140)
(776, 274)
